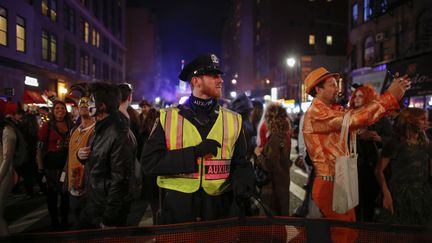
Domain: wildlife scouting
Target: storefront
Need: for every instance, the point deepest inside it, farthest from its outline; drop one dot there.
(418, 68)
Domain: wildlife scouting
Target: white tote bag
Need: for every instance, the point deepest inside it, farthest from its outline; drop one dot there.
(345, 190)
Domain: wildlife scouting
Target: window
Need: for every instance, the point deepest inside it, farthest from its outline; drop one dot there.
(96, 9)
(105, 45)
(85, 31)
(105, 72)
(53, 10)
(69, 19)
(96, 68)
(53, 48)
(354, 14)
(44, 45)
(49, 8)
(3, 26)
(84, 63)
(49, 47)
(97, 39)
(367, 11)
(20, 34)
(114, 53)
(369, 51)
(93, 37)
(44, 7)
(69, 56)
(311, 39)
(329, 40)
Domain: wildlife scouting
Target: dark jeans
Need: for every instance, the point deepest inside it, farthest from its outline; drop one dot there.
(76, 203)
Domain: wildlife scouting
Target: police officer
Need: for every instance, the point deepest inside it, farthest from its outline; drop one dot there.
(198, 151)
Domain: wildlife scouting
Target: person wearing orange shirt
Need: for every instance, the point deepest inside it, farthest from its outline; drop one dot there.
(321, 130)
(80, 137)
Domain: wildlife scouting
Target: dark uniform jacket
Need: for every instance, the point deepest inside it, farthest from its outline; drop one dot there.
(182, 207)
(108, 173)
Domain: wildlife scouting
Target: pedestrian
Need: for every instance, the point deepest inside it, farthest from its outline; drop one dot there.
(29, 128)
(150, 190)
(198, 151)
(145, 108)
(109, 161)
(321, 131)
(7, 151)
(126, 110)
(74, 181)
(51, 156)
(370, 141)
(243, 105)
(407, 194)
(274, 158)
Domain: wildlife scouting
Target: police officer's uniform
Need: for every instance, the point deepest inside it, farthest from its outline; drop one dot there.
(197, 188)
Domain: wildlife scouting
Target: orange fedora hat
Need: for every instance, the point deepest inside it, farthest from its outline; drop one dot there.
(317, 76)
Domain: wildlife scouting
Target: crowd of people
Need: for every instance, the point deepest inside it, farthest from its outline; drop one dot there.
(202, 161)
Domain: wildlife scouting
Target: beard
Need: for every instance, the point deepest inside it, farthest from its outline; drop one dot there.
(212, 92)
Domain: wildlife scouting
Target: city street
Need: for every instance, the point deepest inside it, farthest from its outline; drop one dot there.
(31, 215)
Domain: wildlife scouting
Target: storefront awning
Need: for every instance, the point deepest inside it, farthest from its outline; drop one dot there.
(31, 96)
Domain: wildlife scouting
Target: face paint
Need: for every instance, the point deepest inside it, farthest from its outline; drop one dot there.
(92, 106)
(83, 102)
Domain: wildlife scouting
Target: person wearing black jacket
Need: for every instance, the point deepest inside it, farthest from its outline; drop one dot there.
(201, 111)
(109, 161)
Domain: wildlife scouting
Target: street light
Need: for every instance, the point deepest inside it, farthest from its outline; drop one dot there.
(290, 62)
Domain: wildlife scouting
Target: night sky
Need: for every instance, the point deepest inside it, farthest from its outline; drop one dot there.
(186, 29)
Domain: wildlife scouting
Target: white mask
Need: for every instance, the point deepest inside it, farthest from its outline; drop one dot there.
(92, 106)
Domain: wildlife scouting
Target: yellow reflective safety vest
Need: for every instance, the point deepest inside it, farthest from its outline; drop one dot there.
(213, 172)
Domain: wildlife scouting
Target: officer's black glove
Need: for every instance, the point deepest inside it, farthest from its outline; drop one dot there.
(208, 146)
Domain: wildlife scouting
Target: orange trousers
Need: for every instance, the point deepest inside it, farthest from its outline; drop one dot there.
(322, 194)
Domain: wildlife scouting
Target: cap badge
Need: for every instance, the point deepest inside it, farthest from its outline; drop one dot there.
(214, 58)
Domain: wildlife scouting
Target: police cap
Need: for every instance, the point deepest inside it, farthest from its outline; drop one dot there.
(204, 64)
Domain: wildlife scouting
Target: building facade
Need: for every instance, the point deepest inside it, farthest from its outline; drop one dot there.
(48, 45)
(143, 56)
(390, 36)
(302, 31)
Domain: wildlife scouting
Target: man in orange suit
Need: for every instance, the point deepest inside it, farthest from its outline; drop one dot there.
(321, 130)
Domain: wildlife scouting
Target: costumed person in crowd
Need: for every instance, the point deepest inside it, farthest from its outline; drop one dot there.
(80, 137)
(274, 158)
(198, 151)
(369, 142)
(7, 152)
(51, 156)
(407, 193)
(321, 131)
(109, 161)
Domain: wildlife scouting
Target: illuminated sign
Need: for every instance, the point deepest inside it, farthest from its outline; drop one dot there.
(31, 81)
